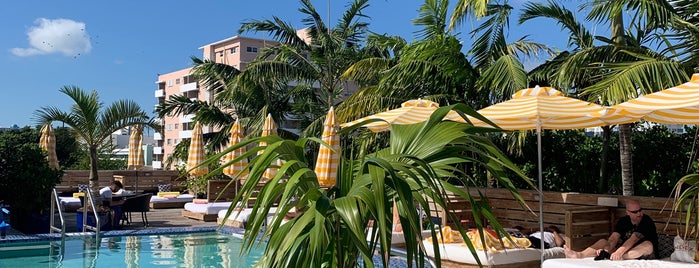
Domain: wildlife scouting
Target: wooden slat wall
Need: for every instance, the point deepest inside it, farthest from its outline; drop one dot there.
(221, 190)
(147, 180)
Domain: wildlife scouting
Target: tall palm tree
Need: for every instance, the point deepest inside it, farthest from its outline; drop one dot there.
(623, 65)
(92, 123)
(332, 228)
(314, 62)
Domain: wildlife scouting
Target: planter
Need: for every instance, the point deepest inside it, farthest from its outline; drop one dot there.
(105, 219)
(29, 222)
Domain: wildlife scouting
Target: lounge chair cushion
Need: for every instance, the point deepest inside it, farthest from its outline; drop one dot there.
(208, 208)
(458, 252)
(591, 263)
(164, 194)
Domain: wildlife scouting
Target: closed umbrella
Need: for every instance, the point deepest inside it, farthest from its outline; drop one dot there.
(196, 154)
(546, 108)
(410, 112)
(47, 141)
(237, 168)
(269, 128)
(675, 105)
(135, 159)
(328, 157)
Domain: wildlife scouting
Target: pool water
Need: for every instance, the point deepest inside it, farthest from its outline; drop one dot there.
(166, 250)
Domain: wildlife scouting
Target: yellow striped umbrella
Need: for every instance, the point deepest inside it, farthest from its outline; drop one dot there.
(135, 160)
(675, 105)
(196, 153)
(546, 108)
(410, 112)
(237, 134)
(328, 158)
(269, 128)
(47, 141)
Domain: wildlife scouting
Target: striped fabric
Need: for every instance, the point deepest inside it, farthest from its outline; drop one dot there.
(237, 134)
(135, 160)
(47, 141)
(548, 108)
(410, 112)
(328, 158)
(269, 128)
(675, 105)
(196, 153)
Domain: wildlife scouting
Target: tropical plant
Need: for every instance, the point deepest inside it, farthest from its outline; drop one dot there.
(686, 204)
(92, 123)
(332, 226)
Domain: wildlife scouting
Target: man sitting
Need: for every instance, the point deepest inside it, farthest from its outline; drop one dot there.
(108, 192)
(634, 237)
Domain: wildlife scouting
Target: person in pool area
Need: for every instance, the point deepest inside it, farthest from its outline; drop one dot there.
(108, 192)
(552, 237)
(634, 237)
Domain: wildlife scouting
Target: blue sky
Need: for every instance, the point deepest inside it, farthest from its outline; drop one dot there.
(119, 47)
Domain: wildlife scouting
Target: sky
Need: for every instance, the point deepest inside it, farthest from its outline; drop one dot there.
(118, 48)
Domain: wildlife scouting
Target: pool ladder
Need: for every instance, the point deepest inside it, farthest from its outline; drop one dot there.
(55, 203)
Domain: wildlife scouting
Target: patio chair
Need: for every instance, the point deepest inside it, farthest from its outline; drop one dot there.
(139, 203)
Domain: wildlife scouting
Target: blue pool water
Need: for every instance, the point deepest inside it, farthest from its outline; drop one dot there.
(165, 250)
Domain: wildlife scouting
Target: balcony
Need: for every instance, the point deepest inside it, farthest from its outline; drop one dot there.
(157, 164)
(189, 87)
(160, 93)
(157, 150)
(187, 118)
(157, 136)
(185, 134)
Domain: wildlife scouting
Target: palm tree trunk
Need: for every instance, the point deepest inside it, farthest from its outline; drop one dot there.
(624, 130)
(603, 186)
(94, 178)
(626, 159)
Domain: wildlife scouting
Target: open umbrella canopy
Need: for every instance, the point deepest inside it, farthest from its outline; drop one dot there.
(196, 154)
(410, 112)
(47, 141)
(545, 108)
(675, 105)
(328, 157)
(237, 135)
(269, 128)
(135, 160)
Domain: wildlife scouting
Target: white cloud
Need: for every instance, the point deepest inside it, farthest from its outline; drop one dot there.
(64, 36)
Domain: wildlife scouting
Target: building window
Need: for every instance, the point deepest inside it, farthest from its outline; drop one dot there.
(177, 81)
(252, 49)
(169, 83)
(233, 50)
(169, 126)
(169, 141)
(177, 126)
(176, 141)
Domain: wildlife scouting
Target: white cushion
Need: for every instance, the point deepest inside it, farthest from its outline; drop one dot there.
(208, 208)
(179, 199)
(591, 263)
(460, 253)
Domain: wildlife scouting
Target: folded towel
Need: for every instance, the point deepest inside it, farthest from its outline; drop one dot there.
(164, 194)
(77, 195)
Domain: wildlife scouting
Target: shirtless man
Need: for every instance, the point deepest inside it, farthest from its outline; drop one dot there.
(634, 237)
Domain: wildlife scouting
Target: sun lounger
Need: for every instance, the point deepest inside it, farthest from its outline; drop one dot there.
(70, 204)
(239, 218)
(170, 201)
(219, 195)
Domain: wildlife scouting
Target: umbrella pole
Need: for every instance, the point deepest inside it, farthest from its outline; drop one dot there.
(541, 192)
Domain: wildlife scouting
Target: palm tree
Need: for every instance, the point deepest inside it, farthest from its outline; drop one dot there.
(624, 66)
(332, 228)
(92, 123)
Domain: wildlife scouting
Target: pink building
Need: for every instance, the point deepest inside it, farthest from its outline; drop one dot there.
(236, 51)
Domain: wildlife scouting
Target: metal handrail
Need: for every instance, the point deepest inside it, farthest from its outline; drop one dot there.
(96, 228)
(56, 203)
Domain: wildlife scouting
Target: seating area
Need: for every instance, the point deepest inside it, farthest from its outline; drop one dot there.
(139, 204)
(584, 217)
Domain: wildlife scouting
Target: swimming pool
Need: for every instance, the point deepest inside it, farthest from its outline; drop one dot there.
(171, 247)
(208, 249)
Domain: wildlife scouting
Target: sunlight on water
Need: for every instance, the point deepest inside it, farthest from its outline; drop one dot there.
(176, 250)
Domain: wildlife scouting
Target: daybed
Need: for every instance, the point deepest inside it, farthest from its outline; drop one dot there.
(523, 257)
(69, 204)
(591, 263)
(170, 200)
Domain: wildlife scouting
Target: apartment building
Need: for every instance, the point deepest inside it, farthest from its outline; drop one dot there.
(236, 51)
